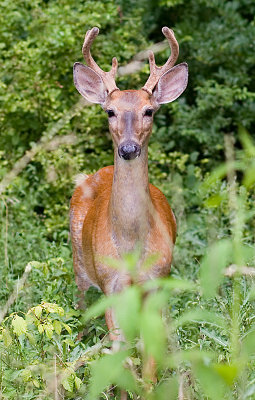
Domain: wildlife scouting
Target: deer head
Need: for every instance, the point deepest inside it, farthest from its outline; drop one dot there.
(131, 112)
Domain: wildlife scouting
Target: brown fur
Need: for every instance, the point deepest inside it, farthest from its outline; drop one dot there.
(92, 236)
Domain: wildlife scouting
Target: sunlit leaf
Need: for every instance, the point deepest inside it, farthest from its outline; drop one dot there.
(53, 308)
(38, 311)
(67, 327)
(49, 330)
(77, 382)
(68, 383)
(6, 337)
(69, 342)
(216, 200)
(40, 328)
(36, 383)
(57, 326)
(19, 325)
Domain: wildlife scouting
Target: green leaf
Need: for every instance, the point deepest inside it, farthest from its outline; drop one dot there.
(31, 338)
(150, 261)
(153, 334)
(19, 325)
(67, 327)
(69, 342)
(38, 311)
(49, 330)
(57, 326)
(228, 372)
(246, 141)
(127, 310)
(53, 308)
(216, 175)
(210, 380)
(30, 318)
(26, 375)
(40, 328)
(99, 308)
(68, 383)
(213, 265)
(36, 383)
(77, 382)
(249, 176)
(131, 260)
(7, 337)
(215, 337)
(248, 343)
(166, 390)
(110, 370)
(216, 200)
(152, 326)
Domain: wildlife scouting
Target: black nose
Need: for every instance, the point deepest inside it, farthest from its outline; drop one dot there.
(129, 150)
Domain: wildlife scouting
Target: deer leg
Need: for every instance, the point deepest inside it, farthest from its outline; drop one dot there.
(115, 333)
(149, 371)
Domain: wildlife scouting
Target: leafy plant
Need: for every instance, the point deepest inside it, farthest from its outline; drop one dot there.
(204, 342)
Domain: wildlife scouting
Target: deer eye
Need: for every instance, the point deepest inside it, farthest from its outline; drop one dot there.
(148, 112)
(110, 113)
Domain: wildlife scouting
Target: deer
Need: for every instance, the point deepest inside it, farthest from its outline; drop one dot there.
(116, 208)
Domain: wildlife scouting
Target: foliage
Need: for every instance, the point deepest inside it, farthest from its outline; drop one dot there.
(204, 344)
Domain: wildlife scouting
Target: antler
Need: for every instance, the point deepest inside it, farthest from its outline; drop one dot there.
(155, 71)
(107, 77)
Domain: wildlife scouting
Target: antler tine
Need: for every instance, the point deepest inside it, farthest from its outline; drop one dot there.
(107, 77)
(155, 71)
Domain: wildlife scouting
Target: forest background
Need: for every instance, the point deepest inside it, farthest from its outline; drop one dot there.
(201, 155)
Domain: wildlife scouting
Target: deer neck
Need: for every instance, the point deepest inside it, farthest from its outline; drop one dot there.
(130, 202)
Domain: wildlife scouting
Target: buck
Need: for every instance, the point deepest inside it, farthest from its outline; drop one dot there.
(116, 208)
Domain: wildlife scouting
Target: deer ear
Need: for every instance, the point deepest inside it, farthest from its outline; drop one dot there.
(172, 84)
(89, 84)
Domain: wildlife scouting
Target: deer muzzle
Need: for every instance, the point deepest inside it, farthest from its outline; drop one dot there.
(129, 150)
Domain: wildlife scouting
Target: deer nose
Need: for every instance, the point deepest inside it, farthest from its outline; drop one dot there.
(129, 150)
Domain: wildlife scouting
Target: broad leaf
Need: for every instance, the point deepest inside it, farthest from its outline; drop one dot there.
(127, 310)
(19, 325)
(213, 265)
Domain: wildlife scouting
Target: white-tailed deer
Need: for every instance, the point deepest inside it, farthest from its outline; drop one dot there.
(116, 208)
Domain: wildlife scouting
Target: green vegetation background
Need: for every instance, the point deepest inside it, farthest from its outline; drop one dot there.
(39, 42)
